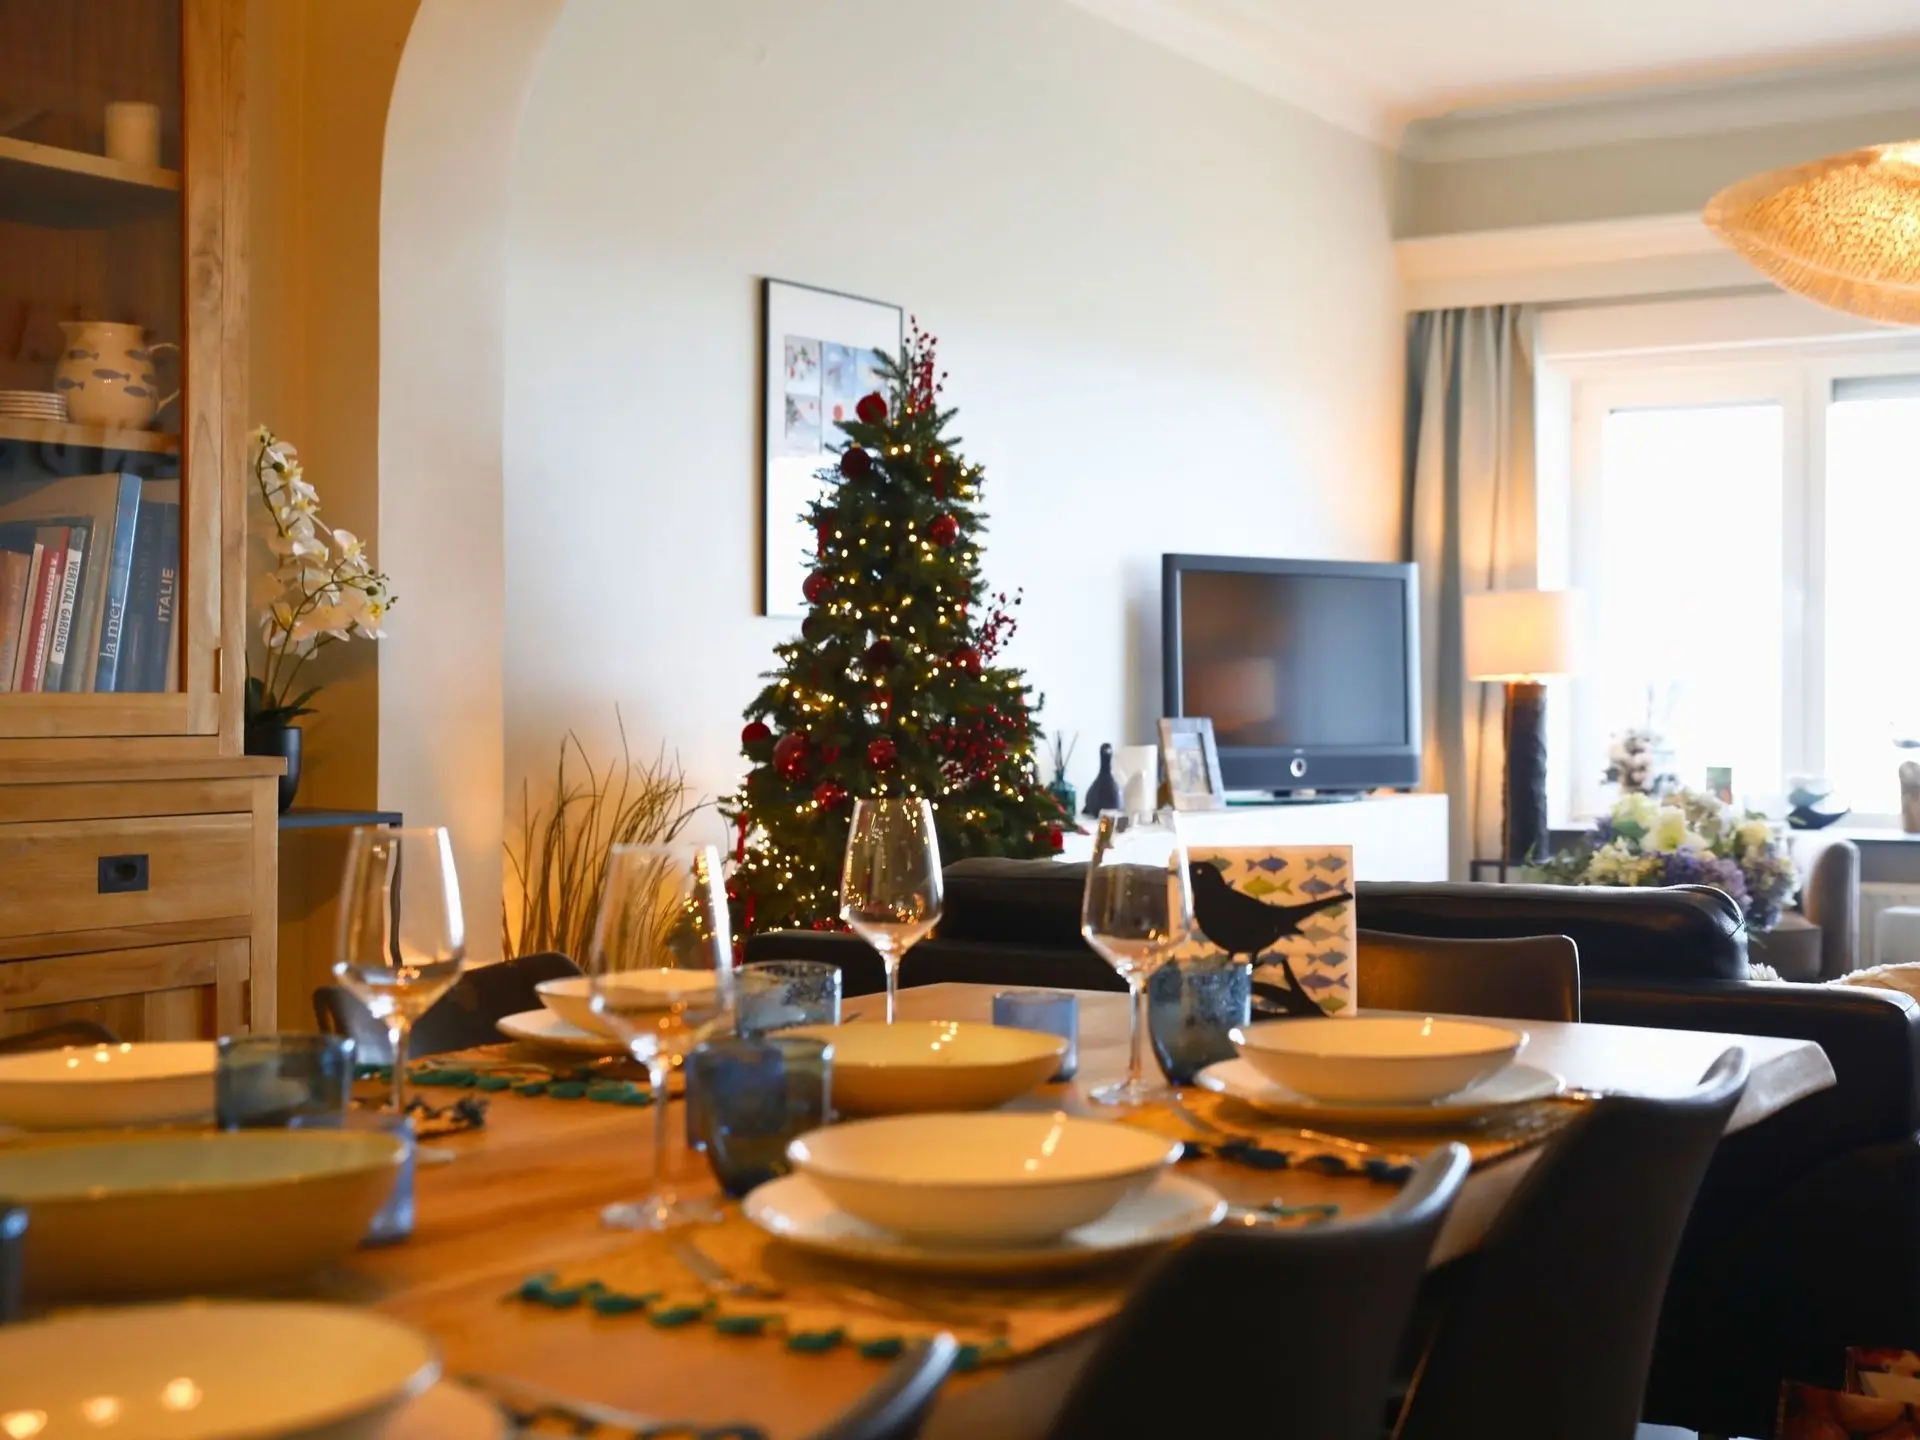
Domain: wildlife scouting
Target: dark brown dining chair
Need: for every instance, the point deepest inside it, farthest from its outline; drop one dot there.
(1535, 978)
(467, 1015)
(58, 1036)
(1249, 1332)
(1548, 1328)
(897, 1407)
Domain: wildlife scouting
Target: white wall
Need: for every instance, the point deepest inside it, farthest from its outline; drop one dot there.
(1167, 304)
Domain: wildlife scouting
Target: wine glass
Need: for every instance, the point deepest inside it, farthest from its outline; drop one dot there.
(1138, 907)
(402, 939)
(660, 971)
(890, 883)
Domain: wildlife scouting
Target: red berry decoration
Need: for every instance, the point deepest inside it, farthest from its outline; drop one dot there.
(855, 463)
(872, 408)
(1050, 838)
(830, 795)
(882, 753)
(817, 586)
(944, 530)
(966, 658)
(878, 656)
(757, 733)
(790, 756)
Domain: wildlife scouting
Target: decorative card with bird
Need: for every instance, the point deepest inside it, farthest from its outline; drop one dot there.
(1287, 908)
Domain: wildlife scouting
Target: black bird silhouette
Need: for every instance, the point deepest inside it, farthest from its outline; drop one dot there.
(1242, 925)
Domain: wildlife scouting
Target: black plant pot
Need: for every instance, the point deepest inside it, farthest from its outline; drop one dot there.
(283, 743)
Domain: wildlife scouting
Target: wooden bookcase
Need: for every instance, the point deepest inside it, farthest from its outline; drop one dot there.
(137, 842)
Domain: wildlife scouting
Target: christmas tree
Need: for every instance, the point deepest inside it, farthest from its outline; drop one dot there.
(890, 687)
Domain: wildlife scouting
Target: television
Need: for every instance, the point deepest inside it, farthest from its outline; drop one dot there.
(1309, 669)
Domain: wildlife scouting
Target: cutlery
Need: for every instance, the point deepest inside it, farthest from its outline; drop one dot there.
(1356, 1148)
(719, 1280)
(527, 1404)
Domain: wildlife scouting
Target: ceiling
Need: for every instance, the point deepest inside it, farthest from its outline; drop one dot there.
(1374, 65)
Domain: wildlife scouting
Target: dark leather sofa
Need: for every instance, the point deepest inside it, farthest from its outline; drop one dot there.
(1806, 1235)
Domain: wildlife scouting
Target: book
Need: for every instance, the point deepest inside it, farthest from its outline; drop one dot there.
(25, 632)
(156, 545)
(14, 568)
(162, 661)
(50, 567)
(63, 609)
(107, 504)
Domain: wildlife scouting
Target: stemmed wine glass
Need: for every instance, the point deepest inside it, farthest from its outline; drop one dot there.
(1137, 909)
(660, 972)
(402, 938)
(890, 883)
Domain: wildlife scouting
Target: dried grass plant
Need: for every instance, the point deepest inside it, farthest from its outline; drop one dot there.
(558, 868)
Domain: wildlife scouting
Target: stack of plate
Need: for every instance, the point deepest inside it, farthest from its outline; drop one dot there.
(33, 405)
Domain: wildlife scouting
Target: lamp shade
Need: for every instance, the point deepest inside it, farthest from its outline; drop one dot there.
(1520, 634)
(1844, 231)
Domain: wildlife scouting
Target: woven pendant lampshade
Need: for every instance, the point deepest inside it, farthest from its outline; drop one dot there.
(1844, 231)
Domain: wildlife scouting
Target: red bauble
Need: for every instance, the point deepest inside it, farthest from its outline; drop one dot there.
(855, 463)
(817, 586)
(966, 658)
(790, 756)
(872, 408)
(1050, 838)
(944, 530)
(878, 656)
(756, 733)
(811, 624)
(830, 795)
(882, 753)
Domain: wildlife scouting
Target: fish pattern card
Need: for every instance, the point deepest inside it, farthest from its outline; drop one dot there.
(1290, 909)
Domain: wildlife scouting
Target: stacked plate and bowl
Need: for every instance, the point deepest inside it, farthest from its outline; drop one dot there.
(47, 405)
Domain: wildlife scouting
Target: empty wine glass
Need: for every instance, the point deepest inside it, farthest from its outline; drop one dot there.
(660, 971)
(1137, 909)
(402, 938)
(890, 883)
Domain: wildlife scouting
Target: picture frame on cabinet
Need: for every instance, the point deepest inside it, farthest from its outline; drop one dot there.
(1190, 761)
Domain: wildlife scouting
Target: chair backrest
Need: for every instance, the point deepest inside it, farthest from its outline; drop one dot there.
(895, 1408)
(1830, 896)
(57, 1036)
(1549, 1328)
(465, 1016)
(1535, 977)
(1246, 1332)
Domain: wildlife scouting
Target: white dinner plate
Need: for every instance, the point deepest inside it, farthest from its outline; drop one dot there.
(546, 1028)
(798, 1211)
(1515, 1085)
(104, 1087)
(449, 1411)
(202, 1370)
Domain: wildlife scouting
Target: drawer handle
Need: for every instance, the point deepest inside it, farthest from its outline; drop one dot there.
(122, 874)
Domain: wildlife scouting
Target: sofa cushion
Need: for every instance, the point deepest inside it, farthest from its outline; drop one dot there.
(1013, 902)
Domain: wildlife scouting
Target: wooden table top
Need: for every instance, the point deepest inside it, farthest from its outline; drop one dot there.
(524, 1195)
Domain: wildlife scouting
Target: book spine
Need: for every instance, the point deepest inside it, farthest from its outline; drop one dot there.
(46, 598)
(142, 587)
(14, 567)
(25, 632)
(63, 611)
(159, 652)
(119, 573)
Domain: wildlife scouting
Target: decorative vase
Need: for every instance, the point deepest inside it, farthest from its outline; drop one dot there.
(282, 742)
(106, 374)
(1104, 792)
(1062, 790)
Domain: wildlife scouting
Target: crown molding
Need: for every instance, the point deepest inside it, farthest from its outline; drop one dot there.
(1258, 49)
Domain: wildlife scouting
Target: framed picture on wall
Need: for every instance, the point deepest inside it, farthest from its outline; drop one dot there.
(1191, 763)
(822, 353)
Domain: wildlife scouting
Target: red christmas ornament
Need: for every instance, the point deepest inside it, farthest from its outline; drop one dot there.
(872, 408)
(825, 531)
(811, 624)
(882, 753)
(856, 463)
(1050, 838)
(966, 658)
(756, 733)
(878, 656)
(944, 530)
(830, 795)
(790, 756)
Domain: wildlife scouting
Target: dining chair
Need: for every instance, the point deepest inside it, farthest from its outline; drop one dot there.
(465, 1016)
(895, 1408)
(1548, 1329)
(1250, 1332)
(13, 1260)
(1533, 978)
(56, 1036)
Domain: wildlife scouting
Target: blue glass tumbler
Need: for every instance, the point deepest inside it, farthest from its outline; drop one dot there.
(756, 1096)
(1052, 1012)
(1192, 1008)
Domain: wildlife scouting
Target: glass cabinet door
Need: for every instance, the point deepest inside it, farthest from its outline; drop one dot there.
(100, 503)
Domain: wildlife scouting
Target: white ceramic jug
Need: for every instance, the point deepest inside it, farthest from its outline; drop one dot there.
(106, 373)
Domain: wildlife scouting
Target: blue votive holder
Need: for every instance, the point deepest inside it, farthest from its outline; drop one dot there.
(270, 1081)
(756, 1096)
(394, 1222)
(1192, 1006)
(1052, 1012)
(775, 994)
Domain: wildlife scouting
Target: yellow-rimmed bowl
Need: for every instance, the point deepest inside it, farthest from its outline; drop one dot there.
(98, 1087)
(922, 1065)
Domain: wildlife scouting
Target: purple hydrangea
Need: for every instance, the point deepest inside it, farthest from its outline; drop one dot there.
(1702, 867)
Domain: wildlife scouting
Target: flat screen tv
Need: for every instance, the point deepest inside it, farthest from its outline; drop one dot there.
(1309, 669)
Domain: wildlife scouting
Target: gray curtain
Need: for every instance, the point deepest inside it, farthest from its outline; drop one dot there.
(1472, 525)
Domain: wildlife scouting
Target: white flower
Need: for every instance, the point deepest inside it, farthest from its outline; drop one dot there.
(1633, 813)
(1669, 831)
(1755, 835)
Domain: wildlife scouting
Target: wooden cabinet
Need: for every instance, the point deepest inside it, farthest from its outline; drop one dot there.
(137, 842)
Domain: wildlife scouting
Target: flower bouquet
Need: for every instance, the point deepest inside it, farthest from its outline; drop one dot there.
(1686, 837)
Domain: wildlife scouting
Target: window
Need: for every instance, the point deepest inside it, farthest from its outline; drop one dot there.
(1748, 533)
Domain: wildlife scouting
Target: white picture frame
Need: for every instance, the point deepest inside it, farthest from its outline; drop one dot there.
(819, 349)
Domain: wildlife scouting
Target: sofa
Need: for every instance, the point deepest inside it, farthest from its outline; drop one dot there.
(1806, 1235)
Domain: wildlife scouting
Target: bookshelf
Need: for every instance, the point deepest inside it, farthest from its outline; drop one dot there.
(52, 186)
(89, 437)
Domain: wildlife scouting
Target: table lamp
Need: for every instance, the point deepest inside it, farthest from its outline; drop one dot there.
(1521, 637)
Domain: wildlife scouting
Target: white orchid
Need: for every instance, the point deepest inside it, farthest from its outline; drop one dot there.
(1669, 831)
(325, 588)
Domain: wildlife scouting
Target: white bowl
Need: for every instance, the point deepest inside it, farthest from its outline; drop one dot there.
(177, 1213)
(209, 1371)
(571, 996)
(1377, 1059)
(981, 1179)
(918, 1065)
(99, 1087)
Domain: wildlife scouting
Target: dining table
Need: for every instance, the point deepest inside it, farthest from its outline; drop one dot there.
(522, 1195)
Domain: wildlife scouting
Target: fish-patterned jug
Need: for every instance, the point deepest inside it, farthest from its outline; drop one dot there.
(106, 372)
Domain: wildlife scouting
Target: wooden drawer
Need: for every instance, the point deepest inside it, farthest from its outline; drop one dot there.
(62, 876)
(166, 992)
